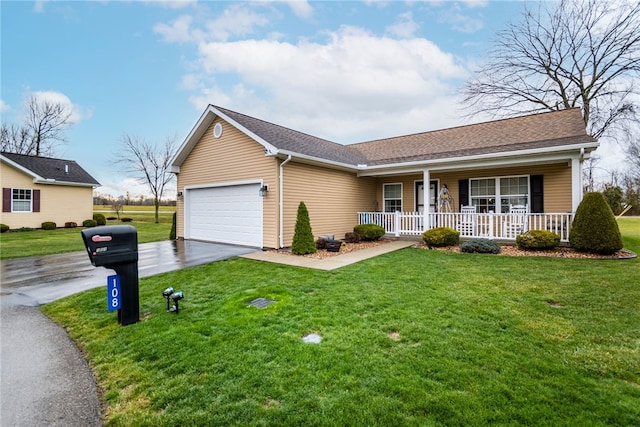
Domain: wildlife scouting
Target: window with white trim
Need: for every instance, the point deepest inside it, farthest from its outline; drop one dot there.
(509, 190)
(21, 199)
(392, 197)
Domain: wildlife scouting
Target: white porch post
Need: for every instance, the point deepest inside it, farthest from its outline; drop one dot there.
(576, 182)
(426, 185)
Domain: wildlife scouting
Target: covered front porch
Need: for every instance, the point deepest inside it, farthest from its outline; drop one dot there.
(497, 226)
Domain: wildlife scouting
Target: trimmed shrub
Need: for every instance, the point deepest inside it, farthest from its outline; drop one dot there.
(88, 223)
(303, 242)
(441, 236)
(369, 232)
(48, 225)
(352, 237)
(24, 229)
(172, 233)
(70, 224)
(100, 219)
(537, 240)
(594, 228)
(321, 243)
(480, 246)
(4, 228)
(126, 219)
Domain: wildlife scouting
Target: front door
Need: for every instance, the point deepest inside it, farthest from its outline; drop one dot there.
(433, 191)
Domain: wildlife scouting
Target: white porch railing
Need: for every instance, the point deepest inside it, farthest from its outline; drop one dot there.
(502, 226)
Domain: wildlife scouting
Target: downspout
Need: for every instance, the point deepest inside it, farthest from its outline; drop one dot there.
(281, 194)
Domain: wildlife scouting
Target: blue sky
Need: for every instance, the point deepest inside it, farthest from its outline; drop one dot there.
(345, 71)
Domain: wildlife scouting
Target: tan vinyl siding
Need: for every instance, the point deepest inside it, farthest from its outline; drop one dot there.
(556, 182)
(234, 157)
(332, 197)
(58, 203)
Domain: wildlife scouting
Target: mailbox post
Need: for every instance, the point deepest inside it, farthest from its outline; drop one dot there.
(116, 247)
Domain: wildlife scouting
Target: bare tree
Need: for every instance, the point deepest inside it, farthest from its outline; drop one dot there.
(149, 163)
(15, 139)
(44, 125)
(46, 122)
(566, 54)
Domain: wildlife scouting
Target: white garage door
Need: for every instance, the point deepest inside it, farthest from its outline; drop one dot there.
(229, 214)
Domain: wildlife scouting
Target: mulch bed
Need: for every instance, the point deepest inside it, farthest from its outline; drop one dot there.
(561, 252)
(505, 250)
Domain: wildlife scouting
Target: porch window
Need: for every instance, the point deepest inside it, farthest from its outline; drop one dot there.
(392, 196)
(21, 200)
(511, 190)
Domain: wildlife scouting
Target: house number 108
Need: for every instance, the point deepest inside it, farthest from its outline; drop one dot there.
(114, 300)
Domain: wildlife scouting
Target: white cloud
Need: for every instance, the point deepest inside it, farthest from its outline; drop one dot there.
(38, 6)
(355, 86)
(172, 4)
(405, 27)
(301, 8)
(176, 32)
(4, 106)
(460, 21)
(236, 20)
(475, 3)
(78, 113)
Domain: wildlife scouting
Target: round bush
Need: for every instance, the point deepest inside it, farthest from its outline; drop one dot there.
(4, 228)
(100, 219)
(537, 240)
(369, 232)
(480, 246)
(48, 225)
(594, 228)
(88, 223)
(441, 236)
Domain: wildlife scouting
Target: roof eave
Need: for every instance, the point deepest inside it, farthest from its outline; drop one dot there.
(481, 160)
(304, 158)
(66, 183)
(23, 169)
(201, 126)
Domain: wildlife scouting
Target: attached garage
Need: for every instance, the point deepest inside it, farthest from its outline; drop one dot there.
(225, 213)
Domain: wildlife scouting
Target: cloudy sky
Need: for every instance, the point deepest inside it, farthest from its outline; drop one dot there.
(345, 71)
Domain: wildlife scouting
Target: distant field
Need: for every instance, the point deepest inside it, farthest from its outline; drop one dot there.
(138, 213)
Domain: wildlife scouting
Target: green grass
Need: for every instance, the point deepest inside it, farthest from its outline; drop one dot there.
(18, 244)
(414, 337)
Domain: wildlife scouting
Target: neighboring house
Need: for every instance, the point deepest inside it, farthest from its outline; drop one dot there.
(39, 189)
(240, 179)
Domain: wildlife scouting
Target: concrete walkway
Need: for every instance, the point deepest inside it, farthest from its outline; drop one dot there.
(330, 263)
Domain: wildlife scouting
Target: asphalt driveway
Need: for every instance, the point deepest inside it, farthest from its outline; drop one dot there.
(44, 380)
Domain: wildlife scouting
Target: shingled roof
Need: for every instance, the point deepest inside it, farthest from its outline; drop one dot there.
(296, 142)
(558, 128)
(52, 170)
(544, 131)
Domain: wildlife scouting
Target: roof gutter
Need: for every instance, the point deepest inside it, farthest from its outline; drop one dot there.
(281, 201)
(482, 160)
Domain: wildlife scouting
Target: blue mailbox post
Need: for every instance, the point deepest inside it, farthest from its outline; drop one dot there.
(116, 247)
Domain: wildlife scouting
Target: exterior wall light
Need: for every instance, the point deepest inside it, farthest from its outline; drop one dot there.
(264, 190)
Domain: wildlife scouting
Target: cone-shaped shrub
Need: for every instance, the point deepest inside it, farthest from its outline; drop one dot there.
(594, 228)
(303, 242)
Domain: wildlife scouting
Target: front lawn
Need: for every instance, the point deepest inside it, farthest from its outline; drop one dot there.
(414, 337)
